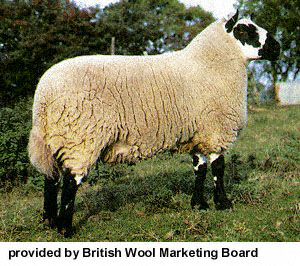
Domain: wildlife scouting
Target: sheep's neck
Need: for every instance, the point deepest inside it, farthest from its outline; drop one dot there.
(216, 49)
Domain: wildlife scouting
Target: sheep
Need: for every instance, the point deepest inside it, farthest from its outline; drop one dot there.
(130, 108)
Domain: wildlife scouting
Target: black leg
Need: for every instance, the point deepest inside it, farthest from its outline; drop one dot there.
(51, 186)
(200, 169)
(220, 198)
(68, 194)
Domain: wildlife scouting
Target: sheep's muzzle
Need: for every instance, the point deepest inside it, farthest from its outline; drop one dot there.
(270, 50)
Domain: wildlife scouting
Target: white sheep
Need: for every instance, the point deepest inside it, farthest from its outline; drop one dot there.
(128, 108)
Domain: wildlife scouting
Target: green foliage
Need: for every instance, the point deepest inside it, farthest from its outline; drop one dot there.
(154, 26)
(34, 35)
(15, 168)
(15, 124)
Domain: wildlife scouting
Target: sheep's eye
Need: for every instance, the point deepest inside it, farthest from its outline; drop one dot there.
(246, 34)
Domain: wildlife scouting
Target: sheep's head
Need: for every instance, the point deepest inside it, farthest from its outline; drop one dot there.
(254, 41)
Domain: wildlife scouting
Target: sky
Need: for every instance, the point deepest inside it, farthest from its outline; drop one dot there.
(219, 8)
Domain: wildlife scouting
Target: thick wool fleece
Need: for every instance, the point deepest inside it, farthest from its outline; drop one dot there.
(127, 108)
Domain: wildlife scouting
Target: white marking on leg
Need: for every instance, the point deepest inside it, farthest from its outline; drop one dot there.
(213, 157)
(215, 180)
(201, 160)
(78, 179)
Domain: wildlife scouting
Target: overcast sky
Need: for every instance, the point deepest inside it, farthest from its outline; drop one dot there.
(220, 8)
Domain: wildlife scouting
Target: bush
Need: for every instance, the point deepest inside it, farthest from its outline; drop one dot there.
(15, 124)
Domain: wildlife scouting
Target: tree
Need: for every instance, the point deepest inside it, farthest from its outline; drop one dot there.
(154, 26)
(35, 34)
(281, 18)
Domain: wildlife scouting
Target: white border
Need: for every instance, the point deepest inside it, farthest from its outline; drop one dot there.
(268, 253)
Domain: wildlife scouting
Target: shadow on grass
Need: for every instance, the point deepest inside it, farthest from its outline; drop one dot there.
(156, 191)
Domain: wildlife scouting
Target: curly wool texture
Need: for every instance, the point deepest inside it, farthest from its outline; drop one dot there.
(128, 108)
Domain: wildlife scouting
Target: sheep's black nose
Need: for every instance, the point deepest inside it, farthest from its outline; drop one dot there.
(270, 50)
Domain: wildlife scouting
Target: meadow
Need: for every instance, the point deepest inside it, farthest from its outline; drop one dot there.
(150, 201)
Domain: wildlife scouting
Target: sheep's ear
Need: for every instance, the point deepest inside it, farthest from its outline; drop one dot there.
(252, 16)
(231, 22)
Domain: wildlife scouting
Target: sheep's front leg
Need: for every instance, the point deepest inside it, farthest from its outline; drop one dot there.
(51, 186)
(218, 167)
(200, 169)
(68, 194)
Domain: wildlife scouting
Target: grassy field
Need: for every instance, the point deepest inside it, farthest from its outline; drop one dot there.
(151, 200)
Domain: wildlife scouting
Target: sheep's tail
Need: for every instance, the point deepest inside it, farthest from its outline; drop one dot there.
(39, 152)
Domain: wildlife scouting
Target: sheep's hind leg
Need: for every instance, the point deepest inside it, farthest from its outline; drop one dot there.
(69, 189)
(218, 167)
(200, 169)
(51, 186)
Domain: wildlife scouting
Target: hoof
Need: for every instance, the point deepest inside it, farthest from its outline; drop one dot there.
(50, 222)
(224, 205)
(202, 204)
(66, 233)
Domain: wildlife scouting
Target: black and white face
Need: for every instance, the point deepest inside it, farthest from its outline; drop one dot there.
(254, 41)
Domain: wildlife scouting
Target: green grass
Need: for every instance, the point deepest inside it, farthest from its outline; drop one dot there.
(151, 200)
